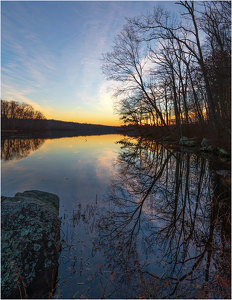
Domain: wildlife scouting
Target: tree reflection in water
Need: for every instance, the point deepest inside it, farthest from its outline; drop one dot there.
(167, 232)
(18, 148)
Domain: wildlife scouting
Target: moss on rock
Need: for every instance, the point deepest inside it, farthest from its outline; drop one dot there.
(223, 152)
(189, 142)
(28, 222)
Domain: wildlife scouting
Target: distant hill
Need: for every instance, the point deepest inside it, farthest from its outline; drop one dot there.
(34, 125)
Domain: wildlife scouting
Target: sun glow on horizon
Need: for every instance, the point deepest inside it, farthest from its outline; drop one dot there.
(86, 119)
(51, 56)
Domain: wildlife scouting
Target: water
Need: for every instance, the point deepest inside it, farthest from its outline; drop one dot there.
(138, 220)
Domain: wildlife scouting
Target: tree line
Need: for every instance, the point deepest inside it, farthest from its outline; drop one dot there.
(174, 69)
(16, 116)
(16, 110)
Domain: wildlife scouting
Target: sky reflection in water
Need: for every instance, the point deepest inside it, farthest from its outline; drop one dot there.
(137, 220)
(76, 169)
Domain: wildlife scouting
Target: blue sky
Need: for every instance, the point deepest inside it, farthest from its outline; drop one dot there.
(51, 55)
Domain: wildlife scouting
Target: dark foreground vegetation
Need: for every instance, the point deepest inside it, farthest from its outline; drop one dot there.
(173, 71)
(22, 118)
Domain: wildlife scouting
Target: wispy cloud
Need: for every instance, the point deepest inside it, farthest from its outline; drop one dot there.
(51, 55)
(19, 95)
(32, 58)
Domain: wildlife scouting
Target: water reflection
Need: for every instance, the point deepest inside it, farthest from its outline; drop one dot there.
(18, 148)
(167, 233)
(162, 231)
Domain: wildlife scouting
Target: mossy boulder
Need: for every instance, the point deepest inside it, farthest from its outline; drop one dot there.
(189, 142)
(206, 146)
(205, 142)
(223, 152)
(51, 200)
(30, 244)
(166, 138)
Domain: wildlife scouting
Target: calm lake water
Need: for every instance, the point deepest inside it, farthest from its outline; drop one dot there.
(138, 220)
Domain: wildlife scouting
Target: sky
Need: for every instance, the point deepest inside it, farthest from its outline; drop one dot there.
(51, 55)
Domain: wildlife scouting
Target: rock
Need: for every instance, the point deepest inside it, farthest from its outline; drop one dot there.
(187, 150)
(206, 146)
(47, 198)
(223, 152)
(184, 141)
(166, 138)
(205, 142)
(223, 173)
(225, 160)
(209, 148)
(30, 244)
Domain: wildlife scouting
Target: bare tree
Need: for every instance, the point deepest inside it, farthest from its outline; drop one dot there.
(16, 110)
(172, 70)
(160, 26)
(126, 64)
